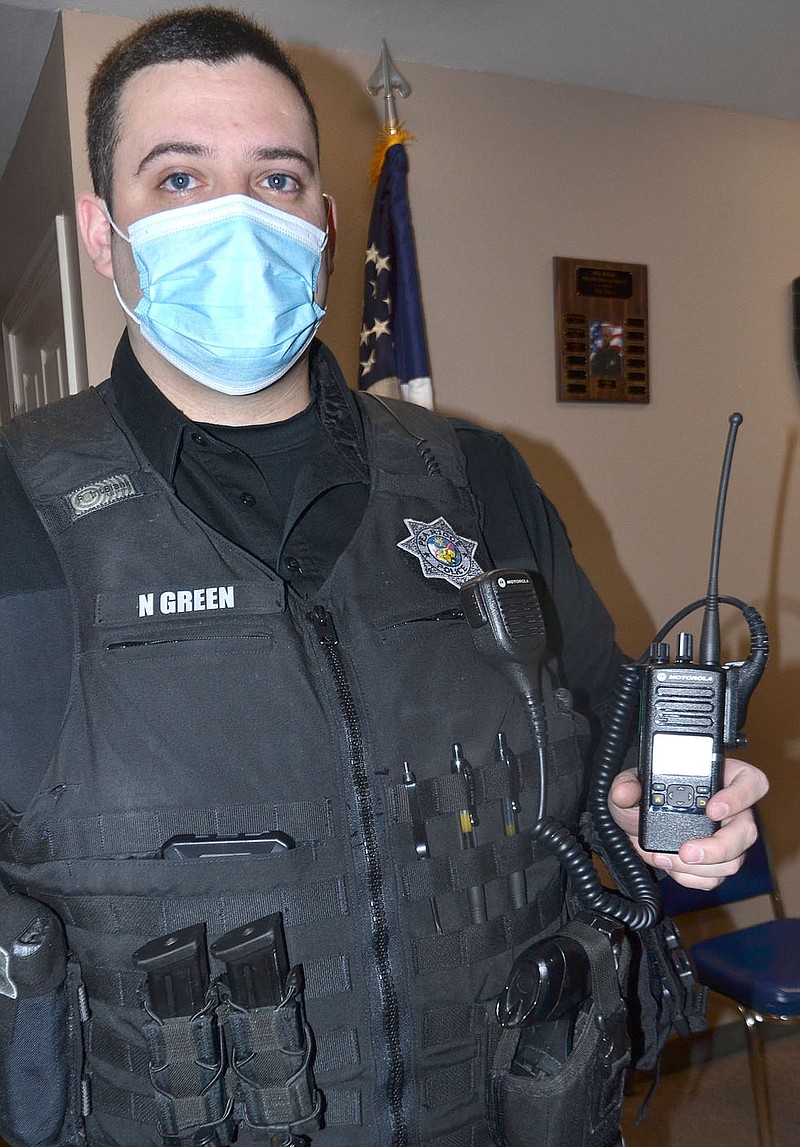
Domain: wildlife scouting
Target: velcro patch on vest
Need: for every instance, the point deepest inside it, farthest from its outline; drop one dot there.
(101, 494)
(441, 552)
(175, 603)
(197, 600)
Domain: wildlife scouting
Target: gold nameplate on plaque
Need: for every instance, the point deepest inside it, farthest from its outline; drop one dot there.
(601, 331)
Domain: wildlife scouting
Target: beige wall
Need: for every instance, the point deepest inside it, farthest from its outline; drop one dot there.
(507, 173)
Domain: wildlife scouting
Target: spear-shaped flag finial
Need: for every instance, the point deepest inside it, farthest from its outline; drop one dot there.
(388, 80)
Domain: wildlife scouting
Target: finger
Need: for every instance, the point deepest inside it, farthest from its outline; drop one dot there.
(626, 791)
(728, 843)
(744, 786)
(702, 880)
(623, 802)
(703, 875)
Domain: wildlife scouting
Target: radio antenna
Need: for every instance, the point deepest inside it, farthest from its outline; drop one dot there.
(709, 634)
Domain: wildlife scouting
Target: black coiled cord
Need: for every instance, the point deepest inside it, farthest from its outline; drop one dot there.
(633, 877)
(631, 873)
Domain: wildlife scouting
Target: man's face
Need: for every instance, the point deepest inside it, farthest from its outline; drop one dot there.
(191, 131)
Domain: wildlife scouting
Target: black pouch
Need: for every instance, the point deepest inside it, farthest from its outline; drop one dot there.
(187, 1069)
(270, 1063)
(579, 1105)
(40, 1060)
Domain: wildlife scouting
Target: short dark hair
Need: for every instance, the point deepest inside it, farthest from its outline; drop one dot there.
(212, 35)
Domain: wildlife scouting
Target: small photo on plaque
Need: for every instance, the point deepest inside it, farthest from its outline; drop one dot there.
(601, 331)
(606, 349)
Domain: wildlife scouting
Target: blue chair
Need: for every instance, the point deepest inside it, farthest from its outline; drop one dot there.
(758, 968)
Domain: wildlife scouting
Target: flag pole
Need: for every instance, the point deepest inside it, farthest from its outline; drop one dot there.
(393, 355)
(387, 79)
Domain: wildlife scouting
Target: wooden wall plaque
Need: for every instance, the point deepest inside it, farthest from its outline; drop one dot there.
(601, 331)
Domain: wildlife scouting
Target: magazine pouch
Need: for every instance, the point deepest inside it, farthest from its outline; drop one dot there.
(537, 1096)
(270, 1063)
(40, 1037)
(186, 1069)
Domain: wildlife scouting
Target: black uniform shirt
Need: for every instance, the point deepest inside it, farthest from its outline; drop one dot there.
(290, 493)
(286, 492)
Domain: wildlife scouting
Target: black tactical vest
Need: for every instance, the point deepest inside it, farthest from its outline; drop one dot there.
(208, 699)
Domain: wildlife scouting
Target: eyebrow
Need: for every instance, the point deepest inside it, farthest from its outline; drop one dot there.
(173, 147)
(266, 153)
(201, 151)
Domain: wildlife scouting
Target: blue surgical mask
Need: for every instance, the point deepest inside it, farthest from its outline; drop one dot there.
(228, 289)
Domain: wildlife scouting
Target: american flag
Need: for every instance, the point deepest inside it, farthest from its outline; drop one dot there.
(393, 358)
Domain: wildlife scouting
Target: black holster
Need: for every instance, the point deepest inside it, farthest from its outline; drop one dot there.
(580, 1104)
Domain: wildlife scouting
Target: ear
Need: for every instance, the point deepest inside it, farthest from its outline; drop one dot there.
(331, 247)
(95, 232)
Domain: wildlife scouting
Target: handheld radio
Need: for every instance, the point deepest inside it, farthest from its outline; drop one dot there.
(693, 709)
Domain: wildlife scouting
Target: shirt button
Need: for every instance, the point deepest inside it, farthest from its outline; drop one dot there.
(198, 439)
(293, 564)
(247, 499)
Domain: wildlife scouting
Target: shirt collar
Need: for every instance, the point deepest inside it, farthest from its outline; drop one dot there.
(159, 427)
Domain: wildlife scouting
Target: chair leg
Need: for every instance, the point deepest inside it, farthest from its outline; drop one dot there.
(758, 1074)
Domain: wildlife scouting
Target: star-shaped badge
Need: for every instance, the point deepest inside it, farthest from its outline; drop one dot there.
(441, 551)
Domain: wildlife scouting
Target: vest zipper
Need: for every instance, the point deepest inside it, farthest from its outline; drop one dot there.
(328, 638)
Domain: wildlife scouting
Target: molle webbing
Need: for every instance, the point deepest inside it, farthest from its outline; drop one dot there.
(342, 1108)
(144, 831)
(443, 795)
(475, 942)
(486, 862)
(154, 916)
(327, 976)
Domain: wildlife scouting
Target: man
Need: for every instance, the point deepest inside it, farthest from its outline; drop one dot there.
(244, 582)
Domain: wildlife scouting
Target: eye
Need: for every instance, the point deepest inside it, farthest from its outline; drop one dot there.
(280, 181)
(178, 181)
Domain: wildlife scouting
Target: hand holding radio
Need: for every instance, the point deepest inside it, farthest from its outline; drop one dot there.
(722, 853)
